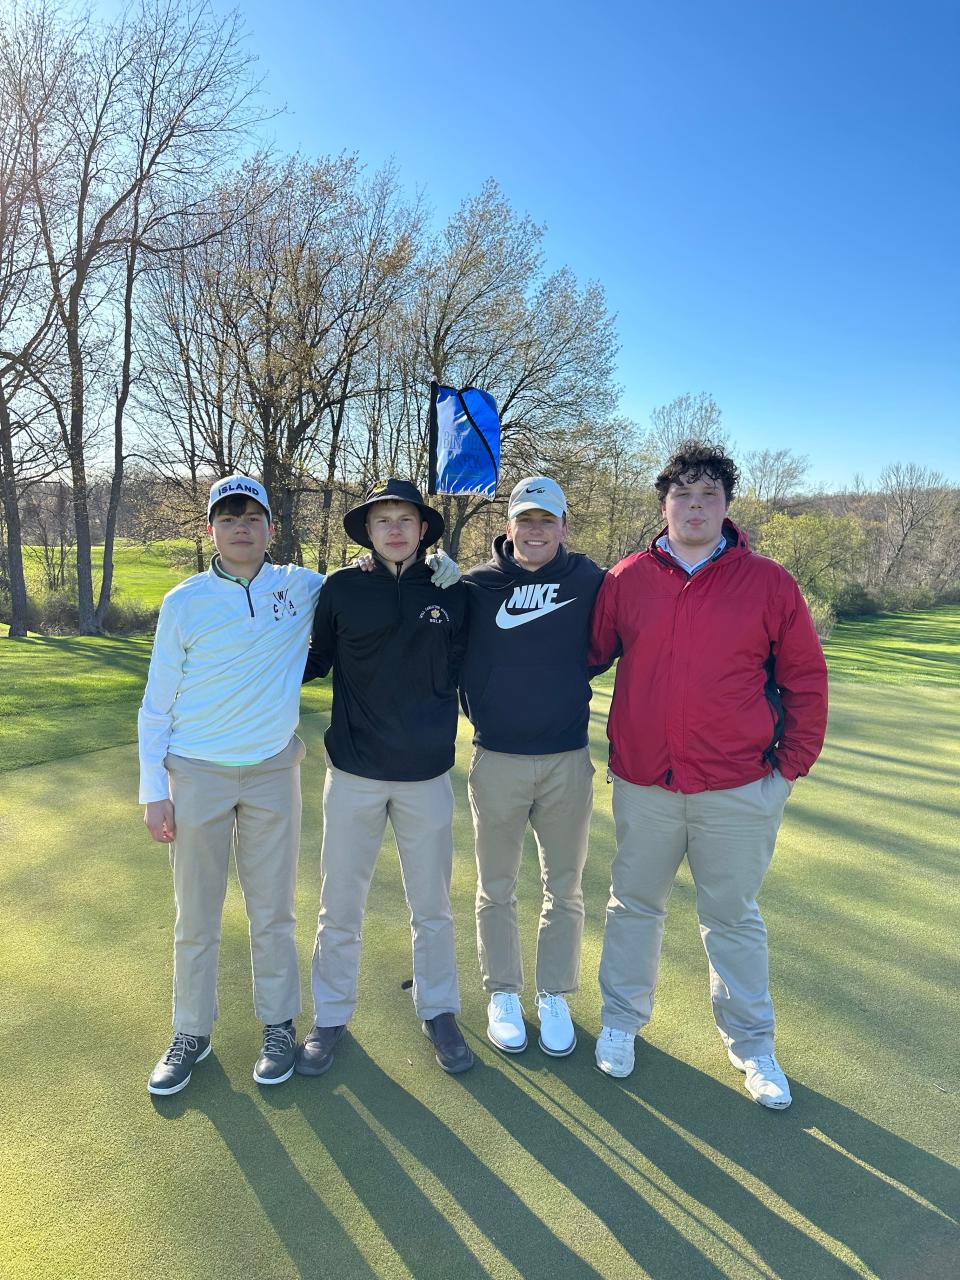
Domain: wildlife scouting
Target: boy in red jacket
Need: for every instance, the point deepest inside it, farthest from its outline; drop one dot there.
(720, 704)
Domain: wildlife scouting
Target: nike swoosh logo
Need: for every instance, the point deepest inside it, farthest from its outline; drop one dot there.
(507, 620)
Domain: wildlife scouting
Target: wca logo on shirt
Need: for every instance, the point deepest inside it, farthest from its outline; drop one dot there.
(282, 604)
(535, 600)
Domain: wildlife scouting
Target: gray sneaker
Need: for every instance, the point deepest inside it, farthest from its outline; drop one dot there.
(172, 1073)
(279, 1054)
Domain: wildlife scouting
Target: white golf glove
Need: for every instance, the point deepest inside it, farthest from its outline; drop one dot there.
(445, 572)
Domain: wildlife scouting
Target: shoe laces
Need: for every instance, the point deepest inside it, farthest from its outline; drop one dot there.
(278, 1038)
(507, 1004)
(766, 1064)
(553, 1004)
(180, 1046)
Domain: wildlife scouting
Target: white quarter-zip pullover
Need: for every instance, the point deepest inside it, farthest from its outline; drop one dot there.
(224, 678)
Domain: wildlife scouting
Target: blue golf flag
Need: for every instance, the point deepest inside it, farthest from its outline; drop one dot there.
(464, 441)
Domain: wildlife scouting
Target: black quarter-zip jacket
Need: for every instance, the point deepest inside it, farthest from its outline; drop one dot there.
(395, 645)
(525, 684)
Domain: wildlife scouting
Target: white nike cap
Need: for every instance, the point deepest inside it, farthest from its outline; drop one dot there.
(537, 493)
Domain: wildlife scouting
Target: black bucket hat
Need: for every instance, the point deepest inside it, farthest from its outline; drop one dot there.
(355, 521)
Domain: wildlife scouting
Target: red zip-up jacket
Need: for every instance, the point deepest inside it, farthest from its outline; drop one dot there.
(721, 676)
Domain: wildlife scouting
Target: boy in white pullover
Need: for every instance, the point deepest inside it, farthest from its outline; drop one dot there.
(220, 769)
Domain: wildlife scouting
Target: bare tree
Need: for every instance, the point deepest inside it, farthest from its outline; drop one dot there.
(913, 499)
(487, 316)
(773, 476)
(265, 337)
(123, 123)
(26, 340)
(688, 417)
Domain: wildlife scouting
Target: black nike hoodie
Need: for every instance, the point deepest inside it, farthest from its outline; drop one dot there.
(524, 683)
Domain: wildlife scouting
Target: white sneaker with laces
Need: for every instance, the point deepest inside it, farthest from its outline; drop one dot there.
(765, 1081)
(557, 1036)
(615, 1051)
(505, 1027)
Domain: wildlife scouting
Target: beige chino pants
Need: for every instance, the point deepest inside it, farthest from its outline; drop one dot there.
(554, 793)
(355, 813)
(255, 811)
(728, 839)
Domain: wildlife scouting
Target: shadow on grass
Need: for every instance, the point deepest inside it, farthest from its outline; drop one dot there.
(893, 1206)
(358, 1121)
(813, 1193)
(315, 1241)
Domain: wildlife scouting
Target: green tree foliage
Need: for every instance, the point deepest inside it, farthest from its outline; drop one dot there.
(822, 551)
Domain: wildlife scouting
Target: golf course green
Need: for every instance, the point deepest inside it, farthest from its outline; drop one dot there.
(523, 1167)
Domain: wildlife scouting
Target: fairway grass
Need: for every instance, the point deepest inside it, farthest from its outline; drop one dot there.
(141, 571)
(525, 1166)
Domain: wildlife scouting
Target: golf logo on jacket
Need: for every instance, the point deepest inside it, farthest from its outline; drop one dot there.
(435, 614)
(282, 604)
(533, 600)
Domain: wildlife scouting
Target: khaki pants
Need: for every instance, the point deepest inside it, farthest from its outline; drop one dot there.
(554, 793)
(355, 813)
(255, 809)
(728, 839)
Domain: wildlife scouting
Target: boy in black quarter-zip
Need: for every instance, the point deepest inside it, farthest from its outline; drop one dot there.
(525, 687)
(395, 643)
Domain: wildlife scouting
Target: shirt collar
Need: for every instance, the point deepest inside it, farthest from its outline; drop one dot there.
(663, 543)
(219, 571)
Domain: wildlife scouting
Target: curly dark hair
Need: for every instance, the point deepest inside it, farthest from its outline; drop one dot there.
(696, 458)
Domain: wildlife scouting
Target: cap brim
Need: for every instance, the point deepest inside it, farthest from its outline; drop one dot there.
(355, 524)
(533, 506)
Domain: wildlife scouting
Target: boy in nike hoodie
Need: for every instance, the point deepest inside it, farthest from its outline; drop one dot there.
(525, 687)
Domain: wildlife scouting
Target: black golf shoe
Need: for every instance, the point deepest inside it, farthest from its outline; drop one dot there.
(315, 1055)
(279, 1053)
(172, 1073)
(453, 1052)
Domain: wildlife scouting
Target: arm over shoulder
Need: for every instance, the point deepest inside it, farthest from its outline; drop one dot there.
(323, 636)
(605, 642)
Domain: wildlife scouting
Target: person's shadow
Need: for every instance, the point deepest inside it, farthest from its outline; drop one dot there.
(849, 1197)
(312, 1236)
(684, 1177)
(415, 1176)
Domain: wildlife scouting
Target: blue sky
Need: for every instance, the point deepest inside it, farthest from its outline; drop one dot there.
(768, 191)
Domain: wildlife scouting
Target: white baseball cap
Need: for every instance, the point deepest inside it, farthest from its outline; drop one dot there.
(238, 487)
(537, 493)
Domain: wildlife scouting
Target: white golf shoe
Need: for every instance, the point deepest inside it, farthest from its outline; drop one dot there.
(557, 1036)
(505, 1027)
(764, 1080)
(615, 1051)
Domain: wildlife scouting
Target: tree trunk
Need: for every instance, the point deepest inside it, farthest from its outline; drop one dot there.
(11, 514)
(323, 546)
(116, 480)
(283, 517)
(87, 618)
(323, 553)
